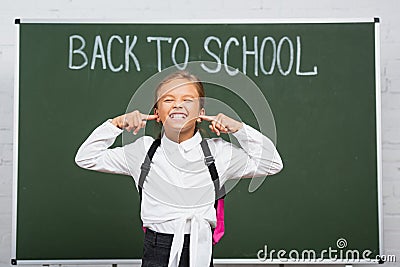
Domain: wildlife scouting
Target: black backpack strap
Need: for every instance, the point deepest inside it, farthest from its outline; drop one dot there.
(210, 162)
(145, 168)
(208, 159)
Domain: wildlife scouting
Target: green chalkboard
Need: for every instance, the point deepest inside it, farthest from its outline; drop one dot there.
(320, 80)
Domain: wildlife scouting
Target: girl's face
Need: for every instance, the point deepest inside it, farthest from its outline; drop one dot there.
(178, 105)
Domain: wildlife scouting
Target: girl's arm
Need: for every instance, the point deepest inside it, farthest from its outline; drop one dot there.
(257, 156)
(94, 153)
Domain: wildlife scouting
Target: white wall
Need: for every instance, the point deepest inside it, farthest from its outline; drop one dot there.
(131, 10)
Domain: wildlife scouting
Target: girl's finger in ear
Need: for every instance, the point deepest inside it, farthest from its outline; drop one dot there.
(149, 117)
(207, 118)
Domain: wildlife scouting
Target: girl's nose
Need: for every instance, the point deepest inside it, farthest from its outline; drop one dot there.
(178, 104)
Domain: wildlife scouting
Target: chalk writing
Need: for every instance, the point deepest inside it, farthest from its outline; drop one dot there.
(268, 55)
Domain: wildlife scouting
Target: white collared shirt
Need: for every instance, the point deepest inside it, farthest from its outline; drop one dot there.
(178, 193)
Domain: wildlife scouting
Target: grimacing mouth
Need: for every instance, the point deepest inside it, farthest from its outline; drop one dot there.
(177, 115)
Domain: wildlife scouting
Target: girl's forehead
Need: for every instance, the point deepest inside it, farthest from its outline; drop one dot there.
(178, 87)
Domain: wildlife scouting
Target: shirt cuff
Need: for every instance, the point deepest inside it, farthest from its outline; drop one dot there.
(242, 133)
(248, 133)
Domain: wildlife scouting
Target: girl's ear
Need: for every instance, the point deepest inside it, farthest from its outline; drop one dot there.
(202, 112)
(156, 113)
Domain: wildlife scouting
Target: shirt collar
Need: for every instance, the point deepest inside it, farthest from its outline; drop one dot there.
(186, 145)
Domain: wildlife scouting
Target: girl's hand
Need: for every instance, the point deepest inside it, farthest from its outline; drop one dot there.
(222, 123)
(133, 121)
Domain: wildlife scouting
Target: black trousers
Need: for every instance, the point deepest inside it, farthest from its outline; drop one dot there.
(157, 247)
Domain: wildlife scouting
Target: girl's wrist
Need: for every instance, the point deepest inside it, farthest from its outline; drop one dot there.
(238, 127)
(115, 122)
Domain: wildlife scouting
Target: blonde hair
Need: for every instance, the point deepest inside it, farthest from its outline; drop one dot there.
(184, 75)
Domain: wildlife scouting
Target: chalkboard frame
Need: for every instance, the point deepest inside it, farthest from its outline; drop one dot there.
(15, 261)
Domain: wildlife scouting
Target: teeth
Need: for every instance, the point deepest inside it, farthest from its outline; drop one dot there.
(178, 116)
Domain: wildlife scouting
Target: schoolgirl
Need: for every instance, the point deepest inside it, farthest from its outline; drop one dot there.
(177, 196)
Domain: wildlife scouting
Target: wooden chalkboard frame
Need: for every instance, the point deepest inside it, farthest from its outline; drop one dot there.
(15, 261)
